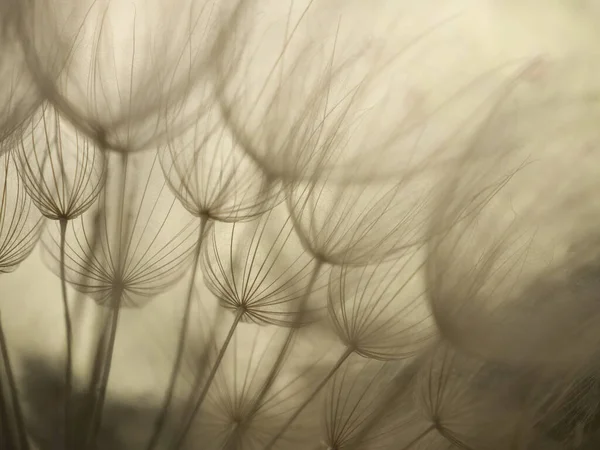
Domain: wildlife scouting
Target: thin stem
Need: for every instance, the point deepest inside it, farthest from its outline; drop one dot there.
(425, 432)
(183, 332)
(190, 419)
(69, 335)
(14, 395)
(282, 354)
(100, 389)
(103, 363)
(311, 397)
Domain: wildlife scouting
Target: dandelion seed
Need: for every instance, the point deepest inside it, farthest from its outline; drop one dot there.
(19, 97)
(135, 243)
(61, 170)
(131, 74)
(215, 182)
(314, 103)
(358, 224)
(20, 227)
(63, 174)
(258, 271)
(377, 312)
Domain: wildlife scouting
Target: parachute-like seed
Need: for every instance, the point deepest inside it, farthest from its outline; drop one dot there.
(20, 221)
(145, 240)
(20, 227)
(215, 181)
(212, 177)
(61, 169)
(259, 269)
(260, 272)
(135, 243)
(380, 311)
(313, 102)
(131, 74)
(361, 224)
(63, 173)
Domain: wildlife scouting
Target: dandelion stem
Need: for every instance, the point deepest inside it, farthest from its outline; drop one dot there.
(107, 342)
(425, 432)
(100, 388)
(207, 384)
(12, 385)
(283, 353)
(162, 416)
(68, 333)
(311, 397)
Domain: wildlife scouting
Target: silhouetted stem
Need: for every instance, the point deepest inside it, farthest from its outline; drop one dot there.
(311, 397)
(68, 336)
(419, 437)
(183, 332)
(14, 395)
(282, 354)
(192, 415)
(106, 349)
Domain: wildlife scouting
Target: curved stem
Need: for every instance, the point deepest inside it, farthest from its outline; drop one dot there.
(311, 397)
(183, 332)
(282, 353)
(69, 336)
(211, 376)
(14, 395)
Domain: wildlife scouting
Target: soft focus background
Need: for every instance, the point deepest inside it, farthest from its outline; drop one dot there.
(475, 36)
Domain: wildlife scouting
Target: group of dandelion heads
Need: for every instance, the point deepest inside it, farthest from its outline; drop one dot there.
(346, 281)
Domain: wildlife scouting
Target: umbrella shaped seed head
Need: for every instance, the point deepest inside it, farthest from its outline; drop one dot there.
(61, 169)
(212, 177)
(143, 242)
(20, 222)
(380, 310)
(131, 74)
(360, 224)
(259, 268)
